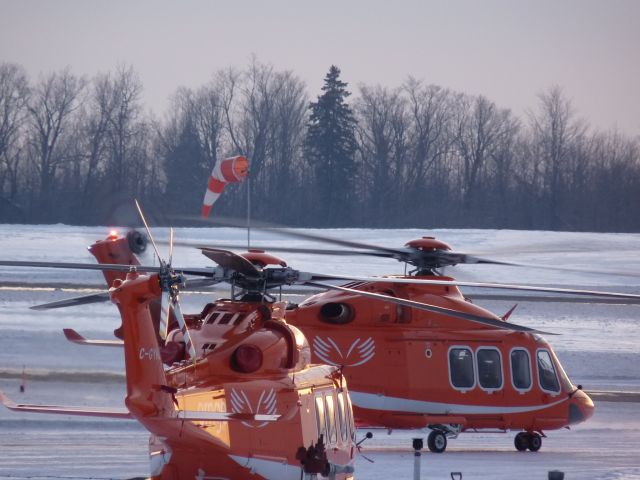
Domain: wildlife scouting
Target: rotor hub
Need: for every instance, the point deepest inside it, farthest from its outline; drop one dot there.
(428, 243)
(261, 259)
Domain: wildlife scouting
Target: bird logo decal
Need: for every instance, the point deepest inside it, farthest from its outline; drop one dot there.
(266, 405)
(358, 353)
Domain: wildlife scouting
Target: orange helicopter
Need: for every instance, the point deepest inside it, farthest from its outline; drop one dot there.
(237, 396)
(417, 353)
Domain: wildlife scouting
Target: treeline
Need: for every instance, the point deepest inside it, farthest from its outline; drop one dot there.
(78, 150)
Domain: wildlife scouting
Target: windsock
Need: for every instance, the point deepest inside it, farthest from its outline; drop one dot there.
(229, 170)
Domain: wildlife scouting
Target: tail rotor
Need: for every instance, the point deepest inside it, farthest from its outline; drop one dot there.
(170, 283)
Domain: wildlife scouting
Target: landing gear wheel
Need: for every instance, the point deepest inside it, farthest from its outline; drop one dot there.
(437, 441)
(522, 441)
(535, 442)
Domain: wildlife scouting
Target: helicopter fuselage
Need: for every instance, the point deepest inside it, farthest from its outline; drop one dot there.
(438, 370)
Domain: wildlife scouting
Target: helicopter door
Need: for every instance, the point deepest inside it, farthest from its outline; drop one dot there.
(490, 370)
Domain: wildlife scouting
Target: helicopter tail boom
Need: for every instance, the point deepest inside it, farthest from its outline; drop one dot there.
(143, 362)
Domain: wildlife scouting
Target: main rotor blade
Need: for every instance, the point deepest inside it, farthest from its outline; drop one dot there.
(204, 272)
(501, 286)
(231, 261)
(451, 258)
(457, 258)
(312, 251)
(191, 284)
(380, 251)
(146, 226)
(78, 266)
(523, 298)
(170, 245)
(164, 315)
(75, 301)
(279, 229)
(175, 304)
(413, 256)
(432, 308)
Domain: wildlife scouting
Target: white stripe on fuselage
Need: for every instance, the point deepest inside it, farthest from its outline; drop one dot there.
(375, 401)
(269, 469)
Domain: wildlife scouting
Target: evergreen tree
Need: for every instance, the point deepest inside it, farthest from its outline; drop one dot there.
(187, 172)
(330, 147)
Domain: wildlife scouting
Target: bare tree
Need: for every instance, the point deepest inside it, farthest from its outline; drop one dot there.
(208, 120)
(419, 154)
(286, 170)
(55, 98)
(263, 112)
(258, 90)
(478, 125)
(613, 180)
(383, 144)
(431, 133)
(191, 141)
(14, 96)
(125, 126)
(554, 129)
(96, 121)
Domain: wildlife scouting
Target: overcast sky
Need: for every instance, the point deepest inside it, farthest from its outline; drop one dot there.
(506, 50)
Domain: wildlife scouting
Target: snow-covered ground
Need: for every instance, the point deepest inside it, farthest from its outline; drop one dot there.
(598, 346)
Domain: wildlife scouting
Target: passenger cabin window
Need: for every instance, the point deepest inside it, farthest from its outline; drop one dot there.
(342, 416)
(520, 369)
(547, 373)
(332, 434)
(461, 368)
(320, 416)
(489, 368)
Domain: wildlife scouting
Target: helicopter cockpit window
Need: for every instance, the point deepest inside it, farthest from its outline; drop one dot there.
(320, 416)
(547, 373)
(332, 434)
(520, 369)
(461, 367)
(489, 368)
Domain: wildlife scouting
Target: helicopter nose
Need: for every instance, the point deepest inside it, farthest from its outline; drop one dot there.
(580, 408)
